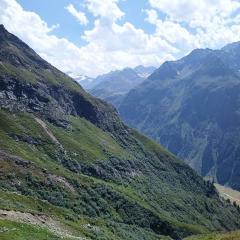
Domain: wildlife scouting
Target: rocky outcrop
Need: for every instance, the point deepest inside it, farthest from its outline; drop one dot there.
(30, 84)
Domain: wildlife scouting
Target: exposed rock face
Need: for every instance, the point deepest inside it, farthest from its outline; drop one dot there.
(191, 106)
(28, 83)
(52, 102)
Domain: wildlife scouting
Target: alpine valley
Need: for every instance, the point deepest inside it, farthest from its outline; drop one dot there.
(71, 169)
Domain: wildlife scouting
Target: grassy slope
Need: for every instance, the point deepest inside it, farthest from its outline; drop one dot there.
(217, 236)
(88, 135)
(75, 224)
(93, 199)
(21, 231)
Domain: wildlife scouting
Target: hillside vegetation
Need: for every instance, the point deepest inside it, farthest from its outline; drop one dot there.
(70, 168)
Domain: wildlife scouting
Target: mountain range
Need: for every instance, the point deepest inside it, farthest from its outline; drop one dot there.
(192, 107)
(113, 86)
(71, 169)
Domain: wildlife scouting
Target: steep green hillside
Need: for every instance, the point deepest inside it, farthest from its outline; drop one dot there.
(70, 168)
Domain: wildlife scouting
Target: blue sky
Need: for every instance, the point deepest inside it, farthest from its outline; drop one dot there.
(53, 12)
(91, 37)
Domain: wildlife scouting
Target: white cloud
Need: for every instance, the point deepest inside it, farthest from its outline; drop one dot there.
(111, 45)
(152, 16)
(175, 34)
(107, 9)
(192, 24)
(125, 45)
(172, 32)
(195, 12)
(80, 16)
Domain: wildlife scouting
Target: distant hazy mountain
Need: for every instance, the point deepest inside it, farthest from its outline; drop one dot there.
(192, 107)
(85, 81)
(144, 71)
(114, 85)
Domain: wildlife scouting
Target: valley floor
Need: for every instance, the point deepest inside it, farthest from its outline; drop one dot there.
(228, 193)
(217, 236)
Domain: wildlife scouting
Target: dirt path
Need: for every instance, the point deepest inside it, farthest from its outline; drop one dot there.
(48, 131)
(40, 220)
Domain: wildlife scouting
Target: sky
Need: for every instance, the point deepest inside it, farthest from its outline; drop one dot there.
(92, 37)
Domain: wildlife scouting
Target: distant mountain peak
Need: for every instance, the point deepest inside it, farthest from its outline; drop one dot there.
(143, 71)
(114, 85)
